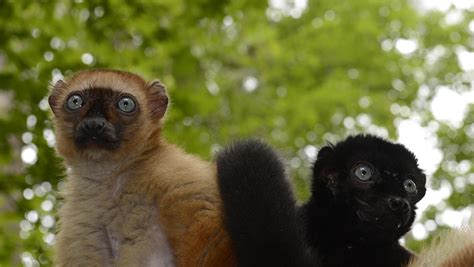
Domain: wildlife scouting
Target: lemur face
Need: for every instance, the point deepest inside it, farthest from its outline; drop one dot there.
(100, 118)
(384, 195)
(378, 180)
(99, 114)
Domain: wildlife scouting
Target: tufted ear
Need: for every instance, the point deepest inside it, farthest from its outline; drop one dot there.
(322, 173)
(57, 89)
(158, 100)
(325, 152)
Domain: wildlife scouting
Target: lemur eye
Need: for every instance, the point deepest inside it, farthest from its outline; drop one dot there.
(126, 104)
(410, 186)
(363, 171)
(74, 102)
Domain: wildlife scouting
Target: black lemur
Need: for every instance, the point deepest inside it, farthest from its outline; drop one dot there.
(363, 196)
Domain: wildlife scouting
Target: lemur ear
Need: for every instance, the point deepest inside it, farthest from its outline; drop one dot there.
(322, 173)
(325, 152)
(323, 155)
(158, 100)
(53, 98)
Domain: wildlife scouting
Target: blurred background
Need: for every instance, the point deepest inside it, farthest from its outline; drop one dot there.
(298, 73)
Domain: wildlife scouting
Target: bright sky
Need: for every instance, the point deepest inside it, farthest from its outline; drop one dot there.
(444, 5)
(448, 106)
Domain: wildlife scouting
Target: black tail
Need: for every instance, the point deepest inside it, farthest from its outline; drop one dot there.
(259, 207)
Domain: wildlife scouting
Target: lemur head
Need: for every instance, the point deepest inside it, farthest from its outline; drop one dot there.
(105, 114)
(377, 181)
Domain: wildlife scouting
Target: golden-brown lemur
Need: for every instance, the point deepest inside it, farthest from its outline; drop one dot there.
(130, 198)
(455, 248)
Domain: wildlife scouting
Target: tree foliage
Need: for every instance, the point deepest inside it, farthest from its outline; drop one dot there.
(295, 76)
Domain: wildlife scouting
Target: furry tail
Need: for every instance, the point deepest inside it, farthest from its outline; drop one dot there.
(259, 207)
(455, 249)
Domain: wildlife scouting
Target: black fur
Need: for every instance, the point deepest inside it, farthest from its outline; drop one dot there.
(346, 222)
(260, 207)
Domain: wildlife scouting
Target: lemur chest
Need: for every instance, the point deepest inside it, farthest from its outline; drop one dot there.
(133, 233)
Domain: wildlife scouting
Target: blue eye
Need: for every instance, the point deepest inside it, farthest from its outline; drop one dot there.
(126, 104)
(74, 102)
(410, 186)
(363, 171)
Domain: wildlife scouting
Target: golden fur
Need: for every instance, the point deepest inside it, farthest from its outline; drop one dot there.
(455, 249)
(146, 203)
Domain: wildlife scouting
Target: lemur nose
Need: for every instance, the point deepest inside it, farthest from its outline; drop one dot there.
(94, 126)
(398, 204)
